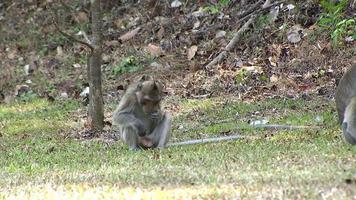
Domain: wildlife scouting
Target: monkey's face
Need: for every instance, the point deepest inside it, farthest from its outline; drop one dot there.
(150, 107)
(149, 95)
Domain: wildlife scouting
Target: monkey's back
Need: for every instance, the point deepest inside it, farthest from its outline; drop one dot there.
(345, 91)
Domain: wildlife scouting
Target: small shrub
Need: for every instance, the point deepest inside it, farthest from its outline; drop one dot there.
(217, 7)
(334, 21)
(129, 64)
(28, 96)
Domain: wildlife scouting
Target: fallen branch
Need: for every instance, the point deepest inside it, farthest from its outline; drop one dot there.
(252, 13)
(252, 9)
(262, 9)
(232, 43)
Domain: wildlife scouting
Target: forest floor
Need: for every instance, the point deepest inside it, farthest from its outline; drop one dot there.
(46, 152)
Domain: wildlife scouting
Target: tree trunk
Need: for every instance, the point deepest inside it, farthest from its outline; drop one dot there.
(95, 111)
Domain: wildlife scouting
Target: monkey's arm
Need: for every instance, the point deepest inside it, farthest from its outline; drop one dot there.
(127, 119)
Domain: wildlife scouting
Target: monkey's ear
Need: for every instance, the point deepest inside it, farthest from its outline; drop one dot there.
(155, 87)
(145, 78)
(139, 86)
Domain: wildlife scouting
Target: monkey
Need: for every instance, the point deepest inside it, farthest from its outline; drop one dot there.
(139, 117)
(143, 125)
(345, 98)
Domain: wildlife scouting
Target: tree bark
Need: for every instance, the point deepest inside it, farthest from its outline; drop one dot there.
(95, 111)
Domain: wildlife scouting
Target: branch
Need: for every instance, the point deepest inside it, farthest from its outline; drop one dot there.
(251, 9)
(252, 13)
(231, 44)
(71, 37)
(262, 9)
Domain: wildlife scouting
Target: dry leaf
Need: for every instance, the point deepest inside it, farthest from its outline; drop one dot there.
(118, 23)
(196, 24)
(160, 33)
(191, 52)
(82, 17)
(293, 34)
(176, 4)
(154, 50)
(76, 65)
(12, 55)
(129, 35)
(273, 78)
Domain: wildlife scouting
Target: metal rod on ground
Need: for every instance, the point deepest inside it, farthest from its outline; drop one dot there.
(206, 140)
(287, 127)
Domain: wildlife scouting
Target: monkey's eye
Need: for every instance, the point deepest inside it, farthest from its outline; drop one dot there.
(145, 102)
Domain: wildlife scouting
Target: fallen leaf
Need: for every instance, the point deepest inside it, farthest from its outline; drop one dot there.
(154, 50)
(176, 4)
(191, 52)
(220, 34)
(293, 34)
(129, 35)
(160, 33)
(118, 23)
(12, 55)
(59, 52)
(196, 25)
(273, 78)
(76, 65)
(81, 17)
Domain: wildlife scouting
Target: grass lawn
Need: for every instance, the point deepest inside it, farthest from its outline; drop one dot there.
(39, 161)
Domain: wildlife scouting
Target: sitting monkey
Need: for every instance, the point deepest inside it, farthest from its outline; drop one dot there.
(141, 121)
(346, 104)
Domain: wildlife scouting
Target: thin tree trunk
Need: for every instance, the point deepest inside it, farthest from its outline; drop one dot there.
(95, 111)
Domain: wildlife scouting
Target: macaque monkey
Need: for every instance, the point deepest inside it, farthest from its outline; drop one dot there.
(139, 117)
(345, 98)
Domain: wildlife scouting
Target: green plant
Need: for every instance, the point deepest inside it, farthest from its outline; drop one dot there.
(213, 9)
(242, 75)
(334, 21)
(28, 96)
(346, 27)
(262, 21)
(129, 64)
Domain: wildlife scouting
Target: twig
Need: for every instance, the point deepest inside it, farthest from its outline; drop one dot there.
(251, 9)
(261, 9)
(66, 6)
(231, 44)
(71, 37)
(253, 13)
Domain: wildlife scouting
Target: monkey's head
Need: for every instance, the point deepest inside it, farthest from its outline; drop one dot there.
(149, 95)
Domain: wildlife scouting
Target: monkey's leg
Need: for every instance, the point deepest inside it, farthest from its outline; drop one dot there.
(162, 132)
(348, 134)
(130, 136)
(349, 124)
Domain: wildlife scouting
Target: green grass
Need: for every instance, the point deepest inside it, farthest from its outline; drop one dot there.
(39, 161)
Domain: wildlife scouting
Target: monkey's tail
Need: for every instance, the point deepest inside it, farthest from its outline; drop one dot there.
(206, 140)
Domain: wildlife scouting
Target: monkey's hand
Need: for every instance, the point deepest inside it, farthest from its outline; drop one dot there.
(156, 117)
(141, 128)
